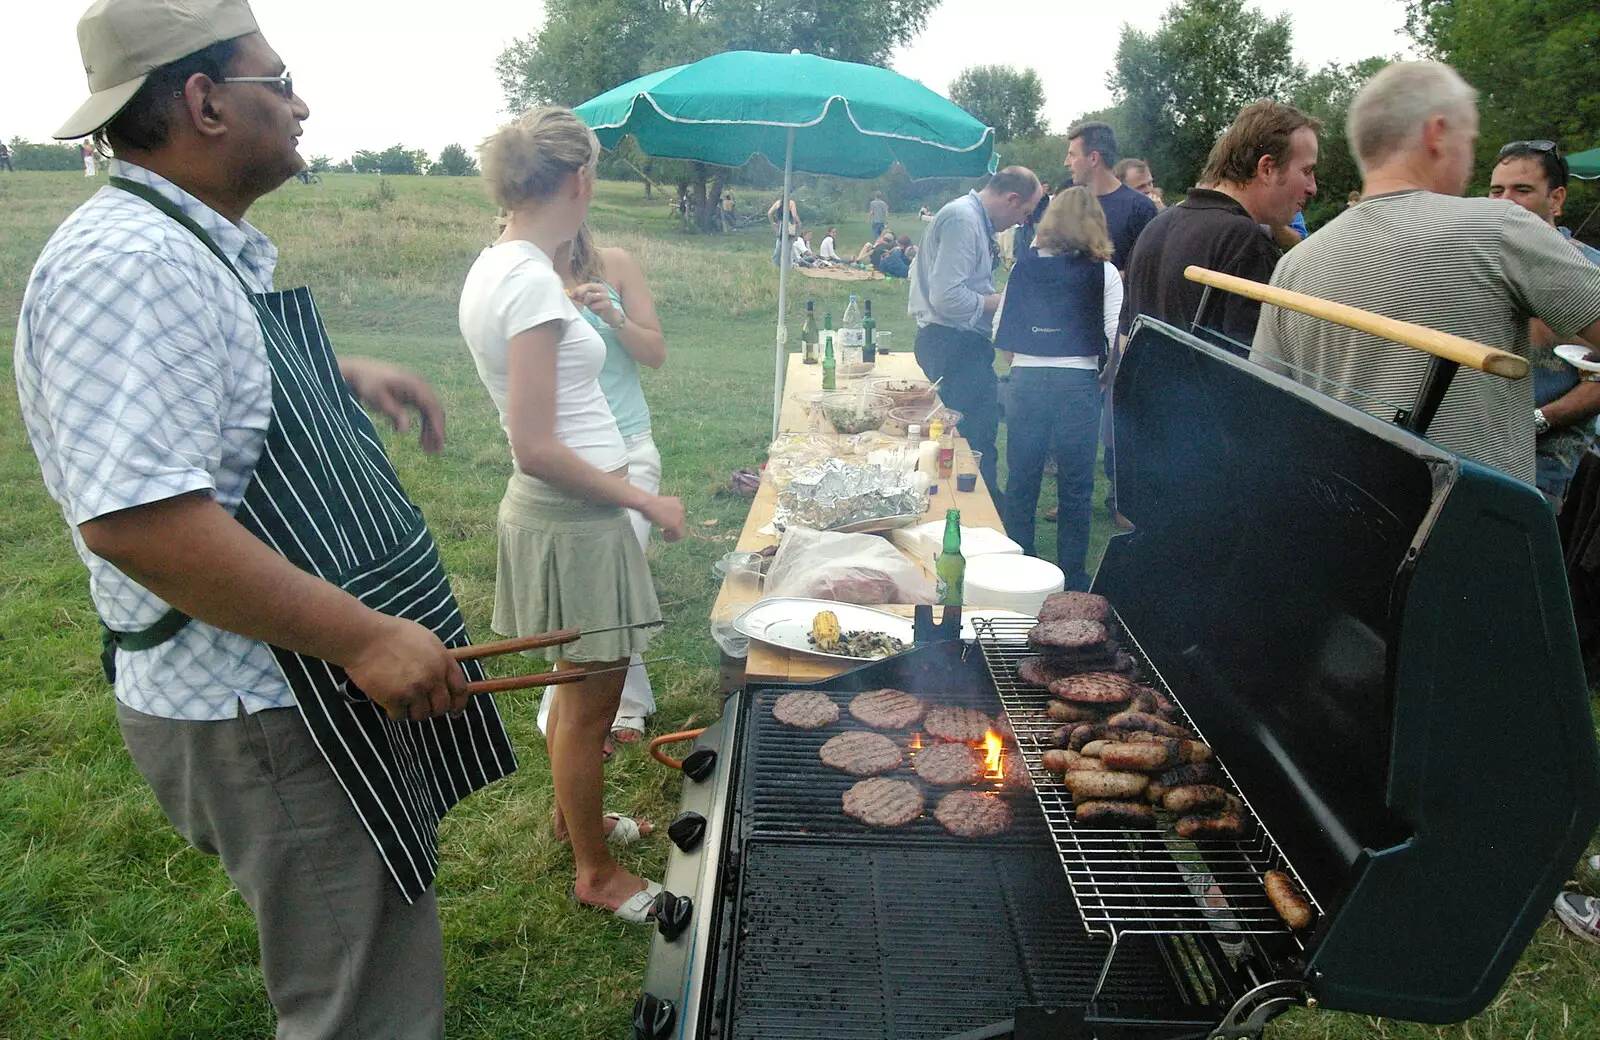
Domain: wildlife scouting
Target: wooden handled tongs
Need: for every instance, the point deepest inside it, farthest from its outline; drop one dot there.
(535, 642)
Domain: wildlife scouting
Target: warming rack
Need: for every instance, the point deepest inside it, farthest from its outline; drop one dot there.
(1138, 881)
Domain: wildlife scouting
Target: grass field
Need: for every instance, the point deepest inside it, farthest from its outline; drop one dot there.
(111, 927)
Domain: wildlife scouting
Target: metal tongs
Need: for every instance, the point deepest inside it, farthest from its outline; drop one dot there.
(536, 642)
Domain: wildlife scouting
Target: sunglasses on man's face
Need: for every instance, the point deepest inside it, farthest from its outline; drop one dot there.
(282, 85)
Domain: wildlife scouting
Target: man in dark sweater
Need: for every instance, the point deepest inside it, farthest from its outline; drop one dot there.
(1091, 155)
(1261, 171)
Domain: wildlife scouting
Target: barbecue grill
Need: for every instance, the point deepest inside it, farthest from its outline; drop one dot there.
(1374, 636)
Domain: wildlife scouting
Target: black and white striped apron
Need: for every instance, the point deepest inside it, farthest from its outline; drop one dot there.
(325, 496)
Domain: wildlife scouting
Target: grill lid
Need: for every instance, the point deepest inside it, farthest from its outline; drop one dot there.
(1377, 637)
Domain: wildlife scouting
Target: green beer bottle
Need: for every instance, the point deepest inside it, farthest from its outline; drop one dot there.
(951, 569)
(829, 365)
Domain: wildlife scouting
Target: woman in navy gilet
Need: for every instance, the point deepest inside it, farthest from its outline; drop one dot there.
(1059, 314)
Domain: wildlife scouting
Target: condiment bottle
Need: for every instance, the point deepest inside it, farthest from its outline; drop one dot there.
(950, 570)
(928, 452)
(908, 451)
(869, 328)
(808, 335)
(947, 454)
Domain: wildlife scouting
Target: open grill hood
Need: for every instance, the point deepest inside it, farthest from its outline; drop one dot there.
(1376, 637)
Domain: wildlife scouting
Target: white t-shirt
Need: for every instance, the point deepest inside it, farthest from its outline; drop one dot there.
(512, 288)
(1111, 309)
(828, 252)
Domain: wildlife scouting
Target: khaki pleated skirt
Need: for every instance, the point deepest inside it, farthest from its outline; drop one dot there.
(569, 563)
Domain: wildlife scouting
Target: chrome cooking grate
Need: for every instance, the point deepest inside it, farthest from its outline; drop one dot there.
(1145, 880)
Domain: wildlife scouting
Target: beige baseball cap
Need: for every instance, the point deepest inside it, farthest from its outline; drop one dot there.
(123, 41)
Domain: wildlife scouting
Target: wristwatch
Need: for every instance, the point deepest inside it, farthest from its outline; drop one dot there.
(1541, 425)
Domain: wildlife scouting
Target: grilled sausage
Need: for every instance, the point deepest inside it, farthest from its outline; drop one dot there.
(1066, 711)
(1194, 773)
(1156, 792)
(1229, 823)
(1087, 731)
(1194, 751)
(1141, 758)
(1195, 798)
(1152, 702)
(1055, 760)
(1116, 814)
(1095, 747)
(1137, 720)
(1089, 785)
(1084, 763)
(1287, 900)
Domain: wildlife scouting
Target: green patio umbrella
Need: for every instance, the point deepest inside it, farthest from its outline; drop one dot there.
(1585, 164)
(822, 116)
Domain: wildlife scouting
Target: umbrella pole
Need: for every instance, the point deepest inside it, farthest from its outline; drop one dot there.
(782, 360)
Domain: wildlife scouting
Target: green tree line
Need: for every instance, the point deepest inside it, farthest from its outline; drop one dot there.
(454, 160)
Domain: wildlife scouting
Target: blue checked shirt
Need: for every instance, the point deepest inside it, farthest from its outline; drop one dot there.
(143, 375)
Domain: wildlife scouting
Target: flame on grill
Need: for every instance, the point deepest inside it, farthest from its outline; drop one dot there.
(992, 747)
(916, 741)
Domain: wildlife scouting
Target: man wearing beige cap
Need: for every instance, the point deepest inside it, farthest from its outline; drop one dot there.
(275, 616)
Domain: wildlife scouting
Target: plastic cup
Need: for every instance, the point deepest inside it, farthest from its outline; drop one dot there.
(967, 479)
(744, 579)
(728, 640)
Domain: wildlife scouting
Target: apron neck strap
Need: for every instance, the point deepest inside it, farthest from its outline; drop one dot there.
(165, 205)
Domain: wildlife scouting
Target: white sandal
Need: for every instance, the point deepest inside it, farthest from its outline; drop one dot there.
(628, 724)
(625, 831)
(637, 909)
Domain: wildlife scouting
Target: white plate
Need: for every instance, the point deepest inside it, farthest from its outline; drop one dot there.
(785, 621)
(1576, 355)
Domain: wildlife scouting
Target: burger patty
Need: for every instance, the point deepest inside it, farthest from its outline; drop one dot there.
(861, 754)
(805, 709)
(883, 803)
(973, 814)
(961, 724)
(1071, 635)
(949, 765)
(887, 709)
(1073, 606)
(1093, 688)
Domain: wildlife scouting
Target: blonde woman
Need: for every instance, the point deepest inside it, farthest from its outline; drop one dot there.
(1059, 316)
(568, 555)
(610, 290)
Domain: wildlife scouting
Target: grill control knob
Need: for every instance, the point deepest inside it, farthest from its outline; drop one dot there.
(672, 914)
(687, 831)
(653, 1017)
(700, 764)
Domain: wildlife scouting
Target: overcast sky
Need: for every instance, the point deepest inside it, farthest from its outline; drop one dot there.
(422, 74)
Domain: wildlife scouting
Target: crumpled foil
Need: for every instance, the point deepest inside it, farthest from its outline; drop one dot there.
(835, 493)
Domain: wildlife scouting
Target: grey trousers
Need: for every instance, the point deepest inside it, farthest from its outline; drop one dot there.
(344, 955)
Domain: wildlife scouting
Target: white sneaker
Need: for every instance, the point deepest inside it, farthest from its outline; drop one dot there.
(1581, 915)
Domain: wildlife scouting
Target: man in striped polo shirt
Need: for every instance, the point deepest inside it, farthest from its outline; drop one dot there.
(1413, 249)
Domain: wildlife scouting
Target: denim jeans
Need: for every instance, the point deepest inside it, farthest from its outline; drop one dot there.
(965, 361)
(1062, 404)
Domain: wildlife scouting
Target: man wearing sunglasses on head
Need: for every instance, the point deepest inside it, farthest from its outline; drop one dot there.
(1533, 174)
(275, 615)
